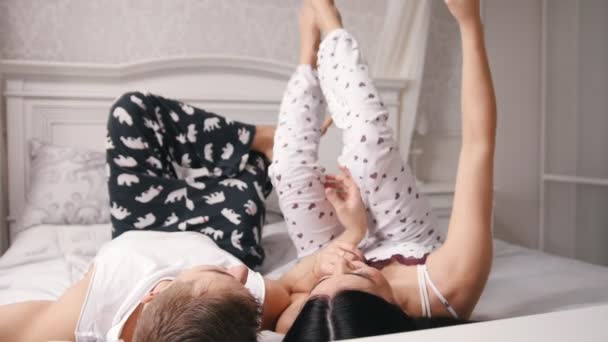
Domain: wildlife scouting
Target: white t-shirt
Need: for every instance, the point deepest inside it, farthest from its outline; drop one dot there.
(129, 266)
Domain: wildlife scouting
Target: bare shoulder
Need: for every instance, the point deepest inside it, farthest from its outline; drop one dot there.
(289, 315)
(462, 290)
(275, 302)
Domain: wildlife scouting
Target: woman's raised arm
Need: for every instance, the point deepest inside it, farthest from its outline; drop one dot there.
(464, 261)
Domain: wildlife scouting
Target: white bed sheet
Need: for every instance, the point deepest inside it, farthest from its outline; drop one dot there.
(45, 260)
(526, 282)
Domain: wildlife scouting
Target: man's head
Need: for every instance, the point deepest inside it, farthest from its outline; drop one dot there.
(201, 304)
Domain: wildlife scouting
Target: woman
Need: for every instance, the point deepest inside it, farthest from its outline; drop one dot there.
(403, 268)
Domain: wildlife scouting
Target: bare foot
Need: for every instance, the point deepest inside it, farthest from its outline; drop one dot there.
(327, 15)
(310, 35)
(263, 141)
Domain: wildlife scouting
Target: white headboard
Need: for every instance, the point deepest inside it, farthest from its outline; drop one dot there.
(67, 104)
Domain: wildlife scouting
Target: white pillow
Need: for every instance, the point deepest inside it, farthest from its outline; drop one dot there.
(67, 186)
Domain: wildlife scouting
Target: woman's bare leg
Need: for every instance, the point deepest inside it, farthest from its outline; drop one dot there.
(328, 16)
(295, 171)
(263, 140)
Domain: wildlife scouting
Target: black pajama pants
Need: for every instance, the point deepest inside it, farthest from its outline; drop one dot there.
(173, 167)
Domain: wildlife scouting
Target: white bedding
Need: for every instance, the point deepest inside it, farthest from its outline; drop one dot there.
(45, 260)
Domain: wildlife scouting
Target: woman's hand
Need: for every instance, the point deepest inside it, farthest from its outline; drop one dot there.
(327, 258)
(464, 10)
(344, 195)
(310, 269)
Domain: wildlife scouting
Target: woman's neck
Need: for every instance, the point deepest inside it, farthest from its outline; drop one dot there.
(403, 281)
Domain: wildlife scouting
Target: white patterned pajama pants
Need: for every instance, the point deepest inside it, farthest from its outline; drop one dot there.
(397, 212)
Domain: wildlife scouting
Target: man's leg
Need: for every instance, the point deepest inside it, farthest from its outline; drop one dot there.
(295, 171)
(397, 210)
(174, 167)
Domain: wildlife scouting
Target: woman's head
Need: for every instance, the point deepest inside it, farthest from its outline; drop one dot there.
(353, 275)
(353, 314)
(348, 314)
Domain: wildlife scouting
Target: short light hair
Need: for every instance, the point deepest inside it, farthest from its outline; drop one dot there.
(175, 315)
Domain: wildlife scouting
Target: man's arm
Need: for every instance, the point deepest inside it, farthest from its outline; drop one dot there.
(44, 320)
(466, 257)
(15, 318)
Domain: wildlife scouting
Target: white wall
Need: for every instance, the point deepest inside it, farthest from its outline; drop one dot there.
(440, 99)
(576, 61)
(111, 31)
(592, 234)
(513, 35)
(514, 39)
(576, 220)
(3, 176)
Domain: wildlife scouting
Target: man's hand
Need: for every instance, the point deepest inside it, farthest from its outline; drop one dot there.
(344, 195)
(464, 11)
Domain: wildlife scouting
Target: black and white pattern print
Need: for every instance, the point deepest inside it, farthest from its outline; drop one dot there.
(174, 167)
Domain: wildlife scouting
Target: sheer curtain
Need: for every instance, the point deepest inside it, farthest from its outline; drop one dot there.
(401, 53)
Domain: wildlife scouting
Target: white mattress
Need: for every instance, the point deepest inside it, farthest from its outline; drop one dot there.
(45, 260)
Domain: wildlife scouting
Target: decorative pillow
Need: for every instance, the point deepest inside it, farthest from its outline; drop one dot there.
(67, 186)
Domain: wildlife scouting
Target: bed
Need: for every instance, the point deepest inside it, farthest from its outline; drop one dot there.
(66, 105)
(45, 260)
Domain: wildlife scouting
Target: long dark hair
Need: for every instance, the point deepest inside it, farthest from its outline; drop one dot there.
(352, 314)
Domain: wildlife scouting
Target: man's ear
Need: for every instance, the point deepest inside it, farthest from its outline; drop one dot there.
(154, 292)
(148, 297)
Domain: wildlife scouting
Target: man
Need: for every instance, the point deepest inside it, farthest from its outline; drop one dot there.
(187, 192)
